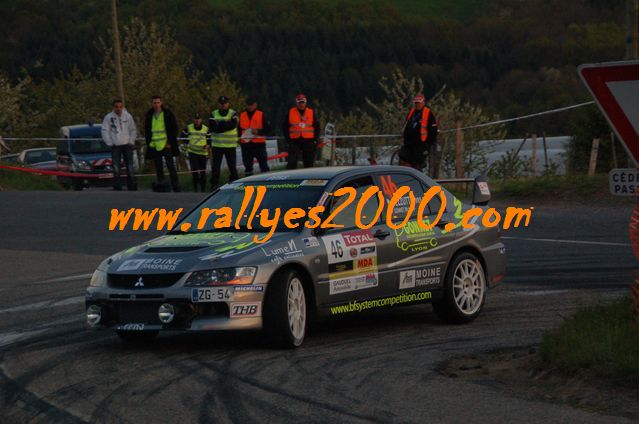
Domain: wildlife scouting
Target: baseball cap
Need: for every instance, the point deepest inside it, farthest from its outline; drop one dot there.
(223, 99)
(419, 98)
(197, 115)
(300, 98)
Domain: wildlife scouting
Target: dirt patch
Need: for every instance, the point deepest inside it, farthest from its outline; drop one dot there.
(520, 372)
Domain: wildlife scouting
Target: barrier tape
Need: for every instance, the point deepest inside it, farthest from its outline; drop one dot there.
(107, 175)
(355, 136)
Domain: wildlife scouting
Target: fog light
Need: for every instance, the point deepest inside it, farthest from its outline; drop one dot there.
(94, 315)
(166, 313)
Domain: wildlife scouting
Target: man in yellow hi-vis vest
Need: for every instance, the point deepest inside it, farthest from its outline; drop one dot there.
(160, 133)
(224, 140)
(198, 144)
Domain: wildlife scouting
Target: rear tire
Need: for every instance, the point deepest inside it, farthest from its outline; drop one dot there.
(285, 310)
(464, 290)
(137, 337)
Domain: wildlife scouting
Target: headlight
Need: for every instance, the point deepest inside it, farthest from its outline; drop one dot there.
(83, 165)
(98, 279)
(222, 276)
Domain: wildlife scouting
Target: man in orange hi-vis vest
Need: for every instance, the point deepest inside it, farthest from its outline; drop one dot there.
(420, 137)
(301, 130)
(253, 129)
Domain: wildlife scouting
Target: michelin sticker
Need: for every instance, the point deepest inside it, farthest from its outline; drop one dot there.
(352, 261)
(422, 277)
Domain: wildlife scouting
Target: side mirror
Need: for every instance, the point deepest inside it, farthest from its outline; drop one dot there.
(481, 192)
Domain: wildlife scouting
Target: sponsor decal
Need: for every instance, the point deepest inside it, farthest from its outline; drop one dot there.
(155, 264)
(277, 177)
(133, 326)
(318, 183)
(367, 249)
(352, 261)
(283, 253)
(245, 309)
(249, 288)
(359, 306)
(421, 277)
(407, 279)
(413, 238)
(483, 188)
(311, 242)
(322, 199)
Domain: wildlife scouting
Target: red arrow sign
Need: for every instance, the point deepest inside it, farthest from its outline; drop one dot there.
(615, 88)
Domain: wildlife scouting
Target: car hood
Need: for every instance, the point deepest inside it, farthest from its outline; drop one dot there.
(46, 165)
(177, 253)
(91, 157)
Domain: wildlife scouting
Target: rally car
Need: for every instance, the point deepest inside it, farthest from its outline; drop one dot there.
(212, 279)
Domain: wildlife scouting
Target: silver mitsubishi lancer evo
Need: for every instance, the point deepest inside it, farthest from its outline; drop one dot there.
(200, 278)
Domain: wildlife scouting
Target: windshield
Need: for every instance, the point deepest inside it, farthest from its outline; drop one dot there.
(279, 194)
(38, 156)
(89, 146)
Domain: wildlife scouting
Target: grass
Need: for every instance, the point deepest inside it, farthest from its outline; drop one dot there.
(601, 340)
(15, 180)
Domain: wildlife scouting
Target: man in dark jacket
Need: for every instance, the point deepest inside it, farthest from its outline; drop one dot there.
(160, 132)
(420, 137)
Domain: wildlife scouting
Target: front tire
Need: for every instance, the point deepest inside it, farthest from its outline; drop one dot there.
(285, 317)
(464, 290)
(137, 337)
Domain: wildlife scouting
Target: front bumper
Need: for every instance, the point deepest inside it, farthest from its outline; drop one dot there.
(138, 309)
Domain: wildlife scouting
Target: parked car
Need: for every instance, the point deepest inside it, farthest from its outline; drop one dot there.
(39, 158)
(82, 151)
(220, 279)
(11, 159)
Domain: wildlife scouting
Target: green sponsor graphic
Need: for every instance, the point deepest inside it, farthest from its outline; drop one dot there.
(224, 242)
(359, 306)
(414, 238)
(271, 186)
(457, 216)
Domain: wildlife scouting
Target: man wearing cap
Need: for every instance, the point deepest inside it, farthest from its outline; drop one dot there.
(301, 130)
(160, 132)
(119, 132)
(198, 144)
(253, 129)
(224, 138)
(420, 136)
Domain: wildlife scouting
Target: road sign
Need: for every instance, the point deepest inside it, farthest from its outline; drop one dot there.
(624, 182)
(615, 88)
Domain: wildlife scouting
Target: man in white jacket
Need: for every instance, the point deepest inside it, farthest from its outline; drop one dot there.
(119, 132)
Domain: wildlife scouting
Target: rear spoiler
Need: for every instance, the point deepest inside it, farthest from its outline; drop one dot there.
(481, 192)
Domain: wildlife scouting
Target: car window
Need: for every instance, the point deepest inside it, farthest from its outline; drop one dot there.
(282, 195)
(392, 182)
(346, 216)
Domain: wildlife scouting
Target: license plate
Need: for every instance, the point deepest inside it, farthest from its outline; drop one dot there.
(212, 294)
(103, 176)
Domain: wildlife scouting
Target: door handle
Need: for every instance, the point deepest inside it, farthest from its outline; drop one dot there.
(442, 224)
(381, 234)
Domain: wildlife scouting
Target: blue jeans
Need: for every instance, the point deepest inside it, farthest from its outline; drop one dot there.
(117, 153)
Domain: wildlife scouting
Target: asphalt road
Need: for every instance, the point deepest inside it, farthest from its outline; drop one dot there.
(379, 367)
